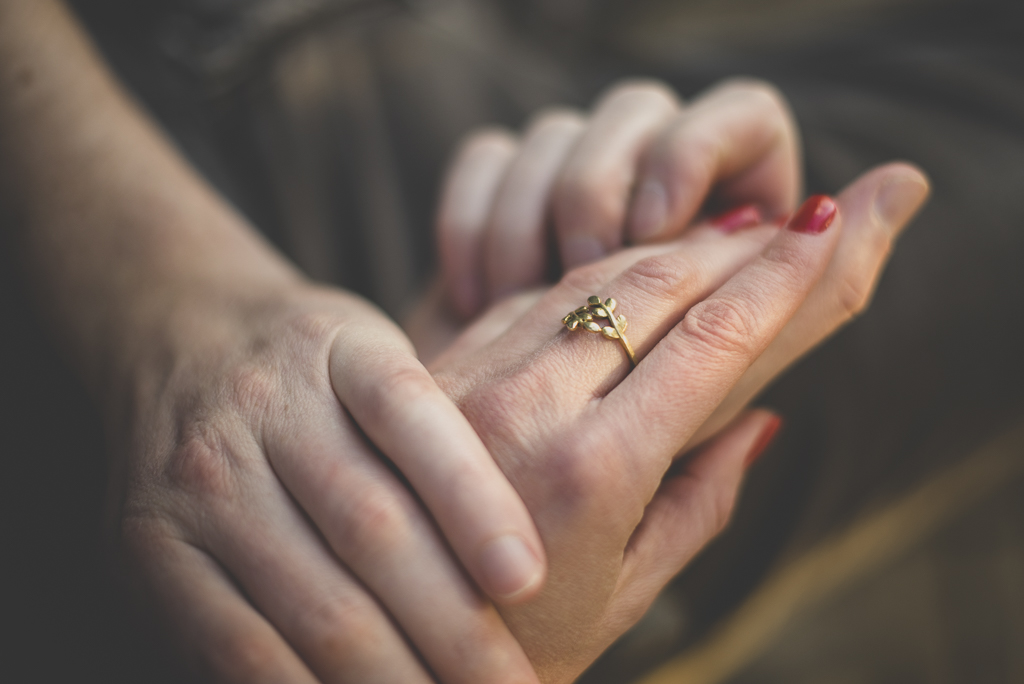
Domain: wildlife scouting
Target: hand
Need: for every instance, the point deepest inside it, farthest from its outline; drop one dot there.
(589, 447)
(638, 169)
(255, 514)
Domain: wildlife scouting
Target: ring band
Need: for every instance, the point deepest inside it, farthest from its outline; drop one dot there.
(585, 318)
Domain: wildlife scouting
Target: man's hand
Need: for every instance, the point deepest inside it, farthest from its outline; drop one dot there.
(269, 530)
(574, 188)
(263, 429)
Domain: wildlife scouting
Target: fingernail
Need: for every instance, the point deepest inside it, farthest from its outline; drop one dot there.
(650, 210)
(898, 199)
(508, 566)
(582, 249)
(736, 219)
(815, 216)
(763, 441)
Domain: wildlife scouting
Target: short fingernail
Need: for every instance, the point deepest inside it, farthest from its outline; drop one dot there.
(509, 567)
(582, 249)
(815, 216)
(746, 216)
(650, 210)
(898, 199)
(764, 441)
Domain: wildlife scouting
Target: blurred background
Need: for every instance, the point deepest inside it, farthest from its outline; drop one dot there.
(882, 536)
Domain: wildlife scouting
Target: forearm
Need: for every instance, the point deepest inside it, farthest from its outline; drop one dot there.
(113, 228)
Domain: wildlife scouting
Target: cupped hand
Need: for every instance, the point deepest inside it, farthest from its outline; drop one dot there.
(264, 501)
(590, 446)
(574, 188)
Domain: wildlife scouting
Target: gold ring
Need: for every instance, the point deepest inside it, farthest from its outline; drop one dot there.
(586, 317)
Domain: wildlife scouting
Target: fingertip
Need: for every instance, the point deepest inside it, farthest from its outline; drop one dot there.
(900, 195)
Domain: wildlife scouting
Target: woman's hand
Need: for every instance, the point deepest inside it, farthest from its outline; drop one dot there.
(589, 445)
(638, 169)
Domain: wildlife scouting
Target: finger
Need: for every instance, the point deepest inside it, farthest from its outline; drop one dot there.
(740, 135)
(466, 201)
(378, 531)
(317, 606)
(690, 508)
(593, 187)
(515, 248)
(220, 634)
(653, 287)
(407, 416)
(875, 210)
(698, 362)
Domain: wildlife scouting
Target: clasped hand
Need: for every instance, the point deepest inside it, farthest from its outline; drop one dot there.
(305, 502)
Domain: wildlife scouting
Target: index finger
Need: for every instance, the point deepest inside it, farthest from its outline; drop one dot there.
(408, 417)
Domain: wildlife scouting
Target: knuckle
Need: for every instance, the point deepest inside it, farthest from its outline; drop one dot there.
(482, 653)
(585, 475)
(693, 154)
(661, 276)
(253, 388)
(203, 467)
(397, 387)
(246, 656)
(589, 196)
(555, 119)
(759, 92)
(858, 280)
(721, 326)
(487, 141)
(854, 296)
(313, 327)
(341, 631)
(375, 522)
(642, 91)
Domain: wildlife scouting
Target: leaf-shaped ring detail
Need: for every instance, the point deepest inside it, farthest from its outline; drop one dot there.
(587, 317)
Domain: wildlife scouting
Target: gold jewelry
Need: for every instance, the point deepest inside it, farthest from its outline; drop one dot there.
(583, 318)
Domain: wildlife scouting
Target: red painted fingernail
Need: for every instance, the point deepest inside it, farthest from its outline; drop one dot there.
(815, 216)
(736, 219)
(764, 441)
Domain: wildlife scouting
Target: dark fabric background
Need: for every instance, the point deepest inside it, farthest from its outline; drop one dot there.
(330, 129)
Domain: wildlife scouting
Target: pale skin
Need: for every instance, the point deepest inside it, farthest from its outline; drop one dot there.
(253, 514)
